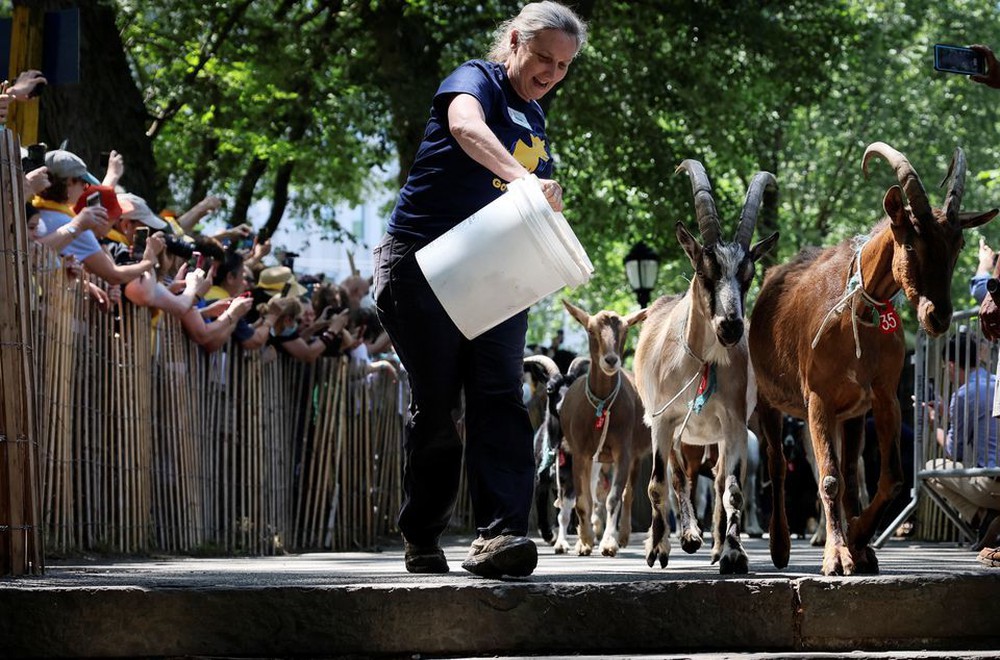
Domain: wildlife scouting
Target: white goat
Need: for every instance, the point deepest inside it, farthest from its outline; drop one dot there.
(693, 373)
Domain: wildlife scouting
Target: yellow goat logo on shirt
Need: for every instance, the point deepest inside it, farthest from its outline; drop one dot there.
(530, 156)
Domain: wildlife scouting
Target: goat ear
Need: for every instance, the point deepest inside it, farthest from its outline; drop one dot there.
(763, 246)
(969, 219)
(636, 317)
(582, 317)
(690, 244)
(895, 208)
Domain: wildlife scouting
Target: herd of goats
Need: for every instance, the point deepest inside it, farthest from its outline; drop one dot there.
(824, 344)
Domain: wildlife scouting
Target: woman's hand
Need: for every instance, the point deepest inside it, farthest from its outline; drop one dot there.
(36, 181)
(553, 194)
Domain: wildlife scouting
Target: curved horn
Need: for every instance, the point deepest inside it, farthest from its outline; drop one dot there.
(907, 176)
(704, 204)
(748, 216)
(579, 366)
(547, 363)
(953, 198)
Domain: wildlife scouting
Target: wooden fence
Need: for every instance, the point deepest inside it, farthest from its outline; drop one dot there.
(150, 444)
(20, 537)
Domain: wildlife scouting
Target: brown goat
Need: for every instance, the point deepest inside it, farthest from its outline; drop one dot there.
(826, 347)
(616, 435)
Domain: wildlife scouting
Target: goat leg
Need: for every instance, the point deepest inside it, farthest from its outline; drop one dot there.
(687, 521)
(780, 539)
(658, 542)
(837, 558)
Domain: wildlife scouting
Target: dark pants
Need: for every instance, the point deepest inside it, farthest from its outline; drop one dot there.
(441, 363)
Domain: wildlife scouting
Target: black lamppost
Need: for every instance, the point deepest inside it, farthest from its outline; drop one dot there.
(641, 266)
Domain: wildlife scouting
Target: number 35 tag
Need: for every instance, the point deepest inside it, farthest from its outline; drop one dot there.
(888, 319)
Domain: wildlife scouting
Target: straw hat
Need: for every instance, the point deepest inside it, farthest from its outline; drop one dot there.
(273, 280)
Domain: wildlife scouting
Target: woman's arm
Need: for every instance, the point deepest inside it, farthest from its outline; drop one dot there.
(304, 351)
(467, 124)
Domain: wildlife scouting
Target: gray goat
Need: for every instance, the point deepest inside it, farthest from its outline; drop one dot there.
(693, 373)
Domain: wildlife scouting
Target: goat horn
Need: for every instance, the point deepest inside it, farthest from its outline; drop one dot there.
(907, 176)
(751, 206)
(956, 172)
(704, 204)
(547, 363)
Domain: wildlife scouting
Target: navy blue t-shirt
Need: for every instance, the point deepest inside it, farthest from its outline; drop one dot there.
(445, 185)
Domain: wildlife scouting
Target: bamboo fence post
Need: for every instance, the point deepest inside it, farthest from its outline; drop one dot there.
(20, 534)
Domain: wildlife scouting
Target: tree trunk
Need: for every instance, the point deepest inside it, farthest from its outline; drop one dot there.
(244, 196)
(105, 110)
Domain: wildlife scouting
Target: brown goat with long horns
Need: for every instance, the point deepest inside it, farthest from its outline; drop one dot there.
(827, 346)
(700, 337)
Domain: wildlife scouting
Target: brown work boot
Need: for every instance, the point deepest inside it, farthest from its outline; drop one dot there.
(990, 557)
(424, 559)
(507, 554)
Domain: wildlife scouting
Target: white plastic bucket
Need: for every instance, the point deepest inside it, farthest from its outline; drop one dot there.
(504, 258)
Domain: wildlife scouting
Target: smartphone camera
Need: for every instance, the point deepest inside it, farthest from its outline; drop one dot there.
(35, 157)
(958, 59)
(139, 242)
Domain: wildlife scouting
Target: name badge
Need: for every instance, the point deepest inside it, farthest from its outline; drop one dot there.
(518, 118)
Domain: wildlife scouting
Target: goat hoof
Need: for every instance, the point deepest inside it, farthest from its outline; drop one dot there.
(838, 562)
(731, 564)
(866, 562)
(664, 557)
(583, 550)
(690, 543)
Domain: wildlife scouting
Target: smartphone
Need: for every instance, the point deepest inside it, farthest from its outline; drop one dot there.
(35, 158)
(199, 259)
(139, 242)
(94, 199)
(286, 289)
(105, 158)
(958, 59)
(246, 294)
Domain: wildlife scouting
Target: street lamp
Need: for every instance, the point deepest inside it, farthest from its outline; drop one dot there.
(641, 266)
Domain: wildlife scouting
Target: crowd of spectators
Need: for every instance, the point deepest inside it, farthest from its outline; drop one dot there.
(222, 287)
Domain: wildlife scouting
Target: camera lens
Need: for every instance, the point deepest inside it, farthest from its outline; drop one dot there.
(179, 248)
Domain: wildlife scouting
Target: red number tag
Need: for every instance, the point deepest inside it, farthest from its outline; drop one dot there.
(888, 320)
(599, 421)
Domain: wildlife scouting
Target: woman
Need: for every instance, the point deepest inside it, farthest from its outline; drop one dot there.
(486, 129)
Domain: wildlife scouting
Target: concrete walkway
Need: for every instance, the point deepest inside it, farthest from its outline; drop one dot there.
(361, 604)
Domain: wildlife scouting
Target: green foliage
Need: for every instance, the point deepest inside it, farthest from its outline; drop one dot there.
(798, 88)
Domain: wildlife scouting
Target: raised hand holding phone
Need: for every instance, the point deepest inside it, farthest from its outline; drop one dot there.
(992, 76)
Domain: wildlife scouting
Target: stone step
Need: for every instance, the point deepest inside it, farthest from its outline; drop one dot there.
(928, 596)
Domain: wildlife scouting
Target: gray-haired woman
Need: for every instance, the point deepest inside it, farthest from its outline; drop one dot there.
(486, 129)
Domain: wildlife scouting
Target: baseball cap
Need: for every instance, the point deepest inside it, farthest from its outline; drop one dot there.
(135, 208)
(108, 200)
(66, 165)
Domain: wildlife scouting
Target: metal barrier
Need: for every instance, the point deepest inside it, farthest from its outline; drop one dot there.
(150, 444)
(975, 453)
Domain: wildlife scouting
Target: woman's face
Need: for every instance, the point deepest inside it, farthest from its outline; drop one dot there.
(33, 221)
(308, 314)
(536, 66)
